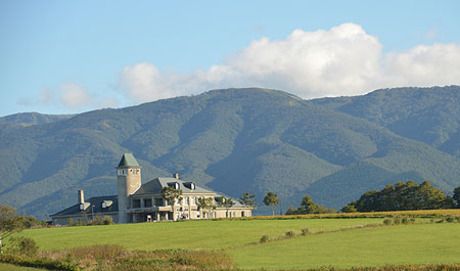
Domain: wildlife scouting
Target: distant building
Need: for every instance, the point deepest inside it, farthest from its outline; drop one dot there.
(137, 202)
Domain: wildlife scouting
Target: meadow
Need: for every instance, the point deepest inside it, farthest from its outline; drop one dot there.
(10, 267)
(338, 242)
(183, 235)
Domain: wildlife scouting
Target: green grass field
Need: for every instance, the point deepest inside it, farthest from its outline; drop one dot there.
(10, 267)
(189, 235)
(398, 244)
(337, 242)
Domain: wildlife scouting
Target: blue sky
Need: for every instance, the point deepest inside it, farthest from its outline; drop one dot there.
(72, 56)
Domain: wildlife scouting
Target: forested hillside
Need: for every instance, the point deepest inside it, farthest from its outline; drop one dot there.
(239, 140)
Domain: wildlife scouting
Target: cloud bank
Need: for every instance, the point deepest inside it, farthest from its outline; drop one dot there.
(344, 60)
(70, 96)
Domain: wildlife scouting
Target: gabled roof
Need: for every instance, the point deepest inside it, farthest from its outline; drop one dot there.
(156, 185)
(128, 160)
(94, 201)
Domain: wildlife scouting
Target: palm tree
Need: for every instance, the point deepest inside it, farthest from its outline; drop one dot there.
(171, 194)
(271, 199)
(205, 204)
(228, 203)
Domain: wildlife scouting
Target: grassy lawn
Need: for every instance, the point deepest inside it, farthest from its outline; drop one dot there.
(421, 243)
(402, 244)
(10, 267)
(187, 235)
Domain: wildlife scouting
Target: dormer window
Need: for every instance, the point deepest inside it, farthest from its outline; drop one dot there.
(190, 185)
(106, 204)
(174, 185)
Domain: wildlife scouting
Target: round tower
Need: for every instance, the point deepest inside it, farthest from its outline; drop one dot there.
(128, 182)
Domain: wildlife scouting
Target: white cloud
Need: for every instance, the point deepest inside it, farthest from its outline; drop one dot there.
(68, 97)
(73, 95)
(438, 64)
(344, 60)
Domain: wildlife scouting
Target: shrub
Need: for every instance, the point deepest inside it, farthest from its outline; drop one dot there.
(450, 219)
(387, 221)
(102, 220)
(405, 220)
(305, 231)
(396, 220)
(264, 239)
(22, 246)
(107, 220)
(289, 234)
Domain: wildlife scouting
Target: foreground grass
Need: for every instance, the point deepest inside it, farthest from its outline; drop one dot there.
(336, 243)
(183, 235)
(10, 267)
(378, 246)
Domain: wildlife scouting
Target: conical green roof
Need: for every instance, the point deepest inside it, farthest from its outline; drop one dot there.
(128, 160)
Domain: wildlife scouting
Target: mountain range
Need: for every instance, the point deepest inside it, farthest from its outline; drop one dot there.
(238, 140)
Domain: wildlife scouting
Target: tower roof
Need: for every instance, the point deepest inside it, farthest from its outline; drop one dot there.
(128, 160)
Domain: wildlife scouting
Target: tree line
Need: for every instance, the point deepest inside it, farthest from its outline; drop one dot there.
(393, 197)
(404, 196)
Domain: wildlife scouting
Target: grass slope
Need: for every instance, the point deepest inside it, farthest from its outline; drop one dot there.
(187, 235)
(402, 244)
(332, 242)
(10, 267)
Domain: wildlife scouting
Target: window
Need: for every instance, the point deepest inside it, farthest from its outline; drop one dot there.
(136, 203)
(147, 203)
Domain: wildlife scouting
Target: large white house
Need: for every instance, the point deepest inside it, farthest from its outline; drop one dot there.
(137, 202)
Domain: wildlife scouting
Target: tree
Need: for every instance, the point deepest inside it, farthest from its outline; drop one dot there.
(456, 196)
(271, 199)
(228, 203)
(248, 199)
(349, 208)
(206, 204)
(308, 206)
(404, 196)
(9, 223)
(171, 194)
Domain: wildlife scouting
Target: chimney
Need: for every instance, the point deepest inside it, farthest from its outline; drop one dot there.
(176, 175)
(81, 199)
(81, 196)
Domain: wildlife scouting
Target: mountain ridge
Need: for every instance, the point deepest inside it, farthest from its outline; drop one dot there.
(233, 141)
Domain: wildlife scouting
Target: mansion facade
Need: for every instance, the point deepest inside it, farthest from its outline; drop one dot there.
(137, 202)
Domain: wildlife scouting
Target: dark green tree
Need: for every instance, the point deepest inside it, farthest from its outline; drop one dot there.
(456, 196)
(271, 199)
(404, 196)
(349, 208)
(308, 206)
(248, 199)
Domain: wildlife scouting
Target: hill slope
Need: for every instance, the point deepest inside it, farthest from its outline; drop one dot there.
(233, 141)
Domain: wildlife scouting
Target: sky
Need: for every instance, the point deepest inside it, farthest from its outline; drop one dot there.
(59, 57)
